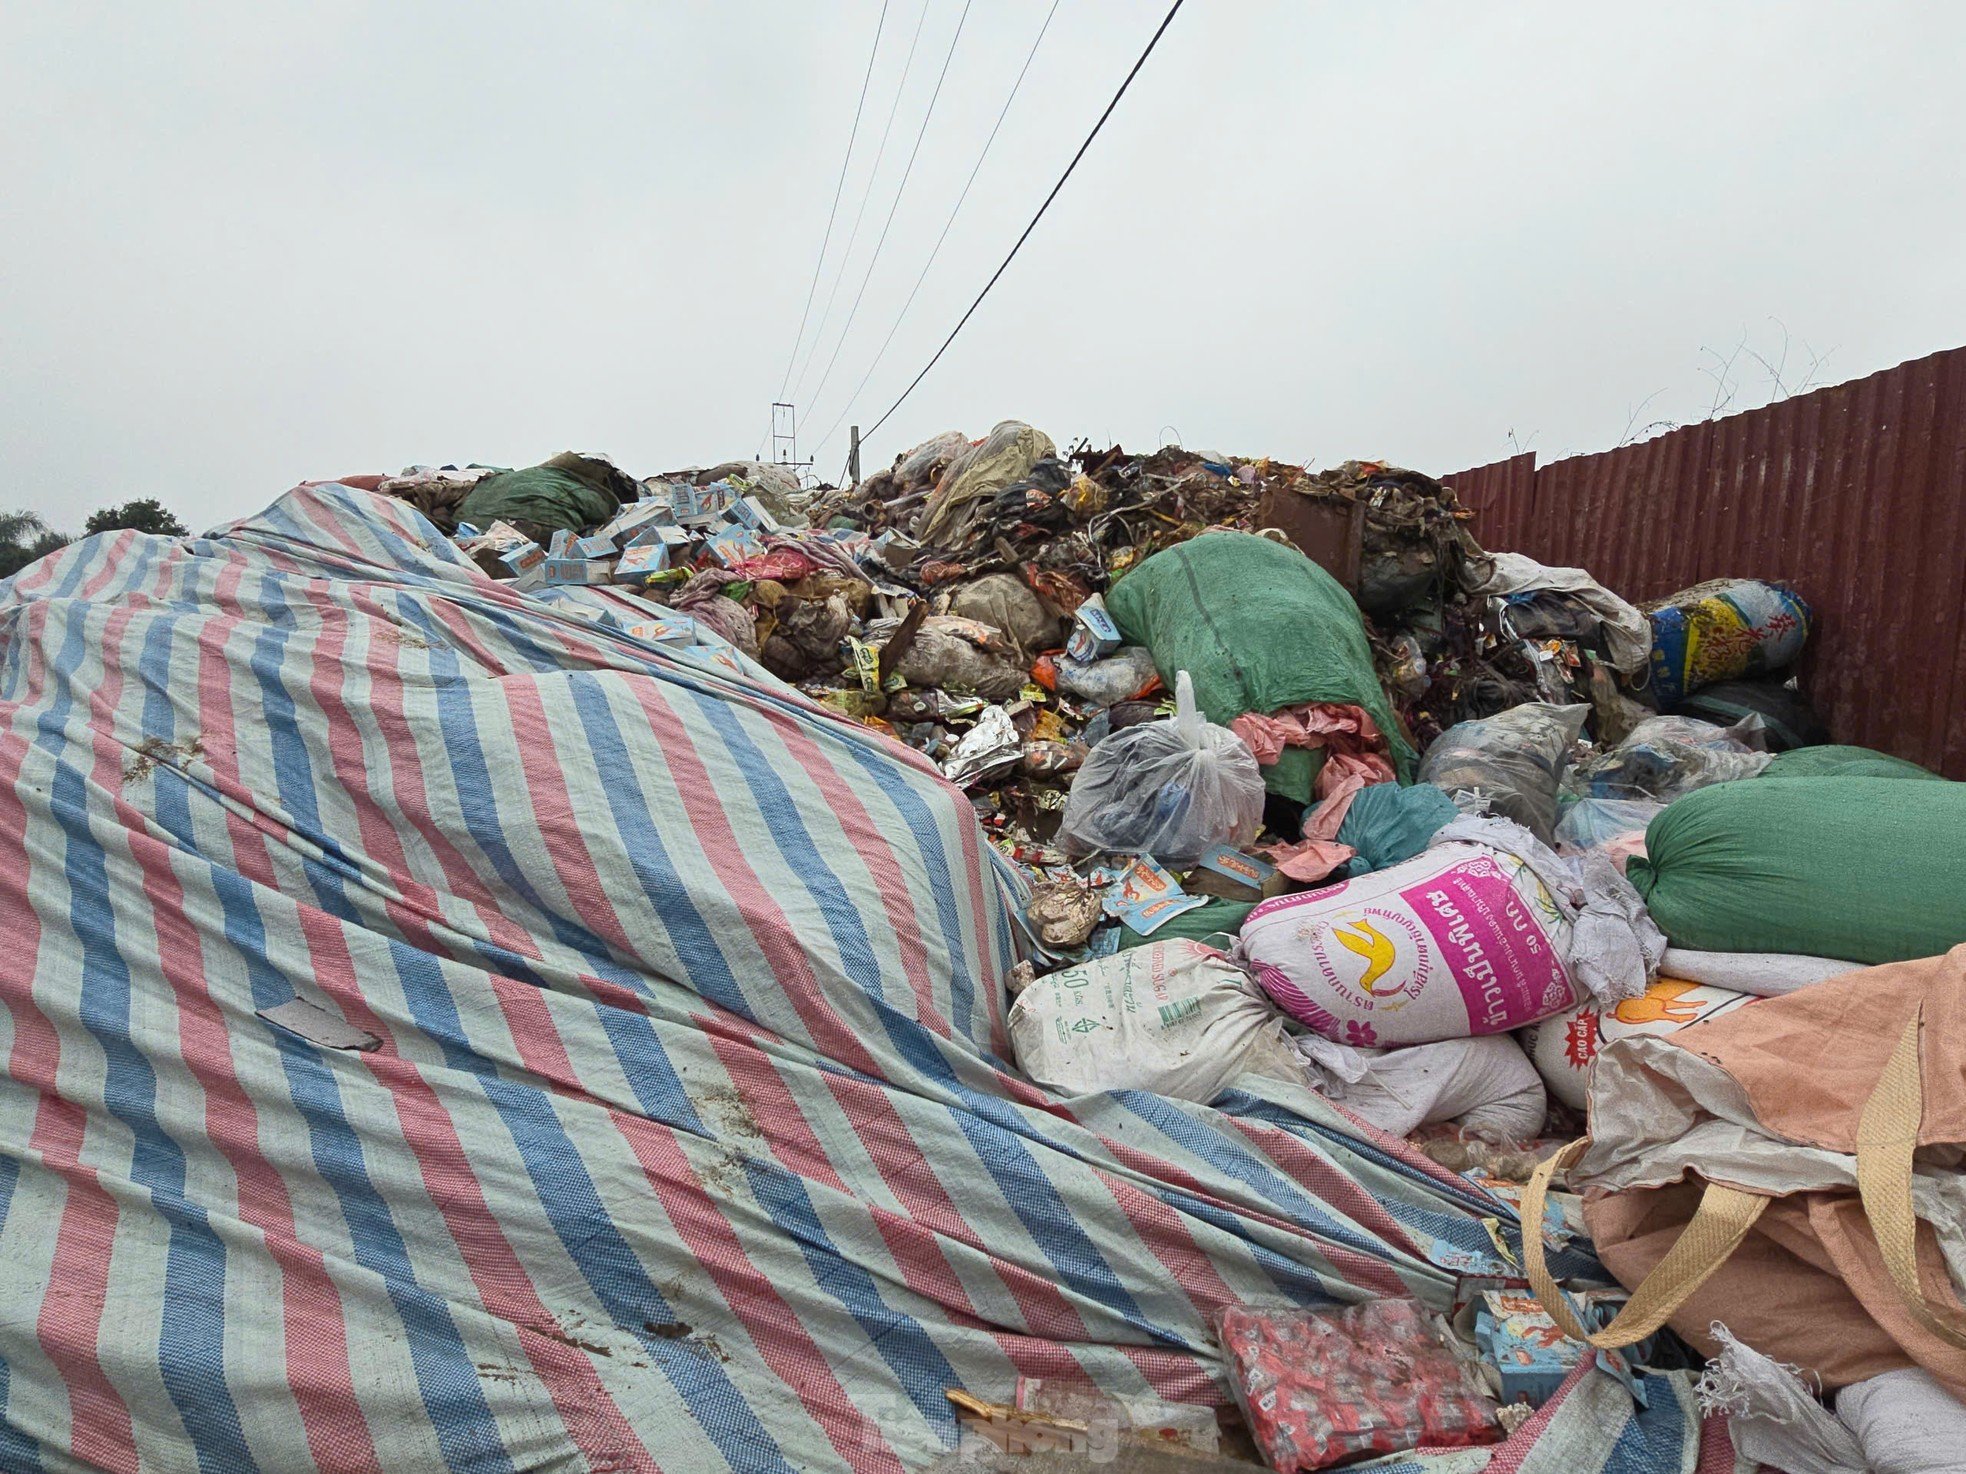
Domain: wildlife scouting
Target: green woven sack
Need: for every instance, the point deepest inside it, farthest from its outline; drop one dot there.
(1259, 627)
(1842, 762)
(1865, 869)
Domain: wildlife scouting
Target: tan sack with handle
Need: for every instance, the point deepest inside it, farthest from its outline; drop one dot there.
(1793, 1169)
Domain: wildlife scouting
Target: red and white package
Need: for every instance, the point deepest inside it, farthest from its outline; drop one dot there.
(1325, 1387)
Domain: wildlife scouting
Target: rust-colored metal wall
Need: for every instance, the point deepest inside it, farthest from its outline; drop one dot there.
(1855, 495)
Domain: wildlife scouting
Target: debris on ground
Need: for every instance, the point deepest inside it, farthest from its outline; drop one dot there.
(1139, 930)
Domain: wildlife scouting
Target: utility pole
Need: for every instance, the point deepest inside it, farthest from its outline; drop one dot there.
(785, 438)
(853, 455)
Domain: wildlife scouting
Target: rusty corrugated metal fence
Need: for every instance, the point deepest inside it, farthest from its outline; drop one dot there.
(1855, 495)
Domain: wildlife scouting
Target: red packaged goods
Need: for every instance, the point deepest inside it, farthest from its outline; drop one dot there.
(1325, 1387)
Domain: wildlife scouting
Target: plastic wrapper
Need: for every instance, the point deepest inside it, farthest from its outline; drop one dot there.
(990, 746)
(1510, 764)
(1169, 789)
(1326, 1387)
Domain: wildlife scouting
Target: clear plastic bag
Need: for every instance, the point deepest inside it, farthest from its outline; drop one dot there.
(1508, 764)
(1121, 676)
(1592, 823)
(1169, 789)
(1664, 758)
(1325, 1387)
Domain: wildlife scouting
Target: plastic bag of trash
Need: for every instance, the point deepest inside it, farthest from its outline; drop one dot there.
(1006, 602)
(1169, 789)
(1665, 757)
(1176, 1018)
(1721, 631)
(1788, 718)
(1485, 1085)
(1325, 1387)
(1613, 824)
(1509, 764)
(1121, 676)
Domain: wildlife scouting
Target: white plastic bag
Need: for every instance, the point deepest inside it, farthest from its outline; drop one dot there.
(1486, 1085)
(1176, 1018)
(1168, 789)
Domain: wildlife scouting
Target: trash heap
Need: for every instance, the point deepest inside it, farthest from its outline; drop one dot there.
(1304, 787)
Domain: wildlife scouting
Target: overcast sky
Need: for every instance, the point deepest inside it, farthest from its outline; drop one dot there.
(249, 244)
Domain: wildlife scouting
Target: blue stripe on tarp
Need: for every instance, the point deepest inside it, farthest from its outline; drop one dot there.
(446, 1376)
(191, 1336)
(593, 1242)
(1025, 1186)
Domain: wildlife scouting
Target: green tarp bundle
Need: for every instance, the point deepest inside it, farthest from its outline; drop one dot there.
(570, 490)
(1259, 627)
(1867, 869)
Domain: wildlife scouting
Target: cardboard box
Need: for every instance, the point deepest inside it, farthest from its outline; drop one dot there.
(677, 631)
(524, 558)
(734, 545)
(576, 570)
(1523, 1344)
(1094, 635)
(596, 545)
(754, 515)
(640, 561)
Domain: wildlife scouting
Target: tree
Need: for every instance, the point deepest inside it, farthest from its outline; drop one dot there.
(24, 537)
(145, 514)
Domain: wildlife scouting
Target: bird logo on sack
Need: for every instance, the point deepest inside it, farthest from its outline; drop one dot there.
(1382, 958)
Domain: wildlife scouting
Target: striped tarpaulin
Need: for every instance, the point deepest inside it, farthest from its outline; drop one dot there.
(689, 1140)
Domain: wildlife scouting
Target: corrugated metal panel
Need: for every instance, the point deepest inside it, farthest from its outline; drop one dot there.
(1855, 494)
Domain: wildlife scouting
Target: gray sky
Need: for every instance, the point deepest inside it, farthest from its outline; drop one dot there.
(251, 243)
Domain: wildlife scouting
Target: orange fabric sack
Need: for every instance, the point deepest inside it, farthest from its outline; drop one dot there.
(1794, 1170)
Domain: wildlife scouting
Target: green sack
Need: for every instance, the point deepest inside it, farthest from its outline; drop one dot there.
(1843, 762)
(571, 491)
(1388, 825)
(1866, 869)
(1198, 925)
(1259, 627)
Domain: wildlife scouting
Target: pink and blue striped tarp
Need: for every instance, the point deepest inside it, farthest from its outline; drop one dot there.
(689, 1140)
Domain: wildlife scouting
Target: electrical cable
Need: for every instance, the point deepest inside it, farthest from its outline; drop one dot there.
(1151, 44)
(866, 194)
(819, 266)
(886, 225)
(936, 250)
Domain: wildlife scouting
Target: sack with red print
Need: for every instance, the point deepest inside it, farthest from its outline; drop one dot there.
(1487, 931)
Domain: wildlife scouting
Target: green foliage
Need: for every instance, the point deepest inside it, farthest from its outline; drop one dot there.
(145, 514)
(24, 537)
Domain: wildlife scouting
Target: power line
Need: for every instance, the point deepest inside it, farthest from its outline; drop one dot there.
(866, 194)
(936, 250)
(819, 266)
(1166, 21)
(900, 189)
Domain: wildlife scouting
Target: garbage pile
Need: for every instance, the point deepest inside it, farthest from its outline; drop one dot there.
(1306, 792)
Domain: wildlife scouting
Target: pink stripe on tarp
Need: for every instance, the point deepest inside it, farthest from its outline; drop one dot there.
(872, 845)
(765, 920)
(497, 1272)
(782, 1342)
(69, 1322)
